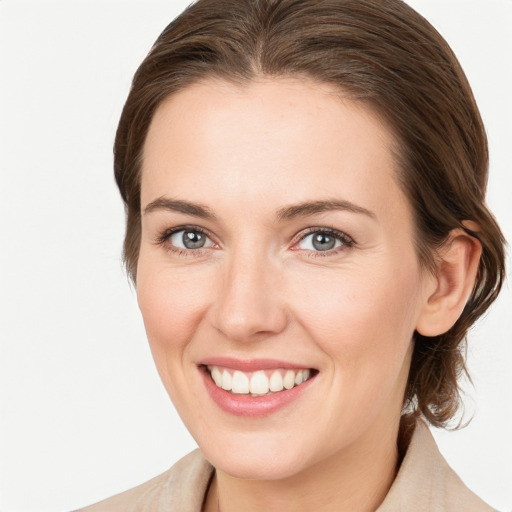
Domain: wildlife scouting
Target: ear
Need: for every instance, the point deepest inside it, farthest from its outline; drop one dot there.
(451, 286)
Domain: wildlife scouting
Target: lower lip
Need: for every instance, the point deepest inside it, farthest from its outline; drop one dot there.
(252, 406)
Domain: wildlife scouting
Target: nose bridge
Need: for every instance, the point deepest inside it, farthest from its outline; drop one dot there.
(249, 302)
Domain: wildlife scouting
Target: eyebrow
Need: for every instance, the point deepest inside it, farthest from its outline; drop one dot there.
(176, 205)
(314, 207)
(291, 212)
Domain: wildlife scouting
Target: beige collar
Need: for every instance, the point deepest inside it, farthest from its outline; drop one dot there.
(424, 483)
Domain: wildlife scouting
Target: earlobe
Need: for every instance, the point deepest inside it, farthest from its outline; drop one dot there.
(457, 267)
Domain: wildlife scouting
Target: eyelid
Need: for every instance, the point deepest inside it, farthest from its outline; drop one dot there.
(346, 240)
(163, 238)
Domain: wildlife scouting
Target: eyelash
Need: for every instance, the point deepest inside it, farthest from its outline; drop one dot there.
(346, 241)
(162, 239)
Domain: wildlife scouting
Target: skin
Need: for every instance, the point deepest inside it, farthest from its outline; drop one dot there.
(259, 289)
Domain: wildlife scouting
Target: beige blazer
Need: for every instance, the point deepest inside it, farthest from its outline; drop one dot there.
(424, 483)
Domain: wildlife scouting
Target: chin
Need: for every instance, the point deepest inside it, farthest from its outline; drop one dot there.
(256, 459)
(246, 468)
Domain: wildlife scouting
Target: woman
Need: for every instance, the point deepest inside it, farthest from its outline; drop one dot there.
(304, 184)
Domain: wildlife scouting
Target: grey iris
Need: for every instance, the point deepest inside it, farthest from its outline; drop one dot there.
(323, 242)
(193, 239)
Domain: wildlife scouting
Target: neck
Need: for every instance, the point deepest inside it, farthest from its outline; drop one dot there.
(356, 478)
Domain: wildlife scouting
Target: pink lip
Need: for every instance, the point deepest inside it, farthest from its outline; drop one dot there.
(251, 406)
(249, 365)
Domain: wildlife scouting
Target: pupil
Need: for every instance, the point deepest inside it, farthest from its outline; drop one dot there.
(193, 240)
(323, 242)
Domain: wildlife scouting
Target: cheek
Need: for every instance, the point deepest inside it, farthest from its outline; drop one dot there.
(361, 317)
(171, 303)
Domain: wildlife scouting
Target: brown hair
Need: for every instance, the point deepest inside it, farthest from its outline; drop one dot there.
(378, 51)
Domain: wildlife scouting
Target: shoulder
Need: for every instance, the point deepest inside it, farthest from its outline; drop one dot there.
(184, 485)
(426, 482)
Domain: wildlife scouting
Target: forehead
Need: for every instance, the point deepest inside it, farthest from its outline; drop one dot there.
(266, 137)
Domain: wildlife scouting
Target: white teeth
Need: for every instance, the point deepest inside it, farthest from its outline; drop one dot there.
(240, 384)
(276, 381)
(217, 376)
(289, 379)
(259, 384)
(226, 380)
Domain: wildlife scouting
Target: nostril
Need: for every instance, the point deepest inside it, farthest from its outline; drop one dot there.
(251, 325)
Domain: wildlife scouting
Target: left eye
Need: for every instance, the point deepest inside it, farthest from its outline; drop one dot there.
(320, 241)
(190, 239)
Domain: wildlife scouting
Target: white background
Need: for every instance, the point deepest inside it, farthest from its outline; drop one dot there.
(84, 415)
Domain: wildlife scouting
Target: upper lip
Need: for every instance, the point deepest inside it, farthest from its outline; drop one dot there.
(250, 365)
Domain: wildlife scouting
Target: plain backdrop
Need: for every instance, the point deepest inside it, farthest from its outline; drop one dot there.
(83, 414)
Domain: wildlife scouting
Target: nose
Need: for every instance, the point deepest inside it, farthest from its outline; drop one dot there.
(249, 305)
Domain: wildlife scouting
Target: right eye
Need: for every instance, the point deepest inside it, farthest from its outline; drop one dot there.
(189, 239)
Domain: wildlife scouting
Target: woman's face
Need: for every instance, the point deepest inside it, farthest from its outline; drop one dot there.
(277, 245)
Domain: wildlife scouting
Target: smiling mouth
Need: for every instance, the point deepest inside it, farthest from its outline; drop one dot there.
(258, 383)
